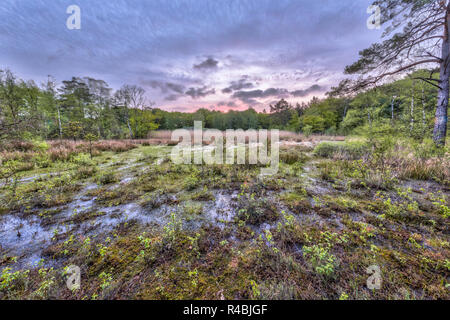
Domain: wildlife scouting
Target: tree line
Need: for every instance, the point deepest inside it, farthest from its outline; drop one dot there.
(87, 106)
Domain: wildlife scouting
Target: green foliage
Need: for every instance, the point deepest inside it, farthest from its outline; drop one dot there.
(73, 130)
(320, 258)
(86, 108)
(308, 130)
(107, 178)
(173, 228)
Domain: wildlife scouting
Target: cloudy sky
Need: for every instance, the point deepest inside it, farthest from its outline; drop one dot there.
(186, 54)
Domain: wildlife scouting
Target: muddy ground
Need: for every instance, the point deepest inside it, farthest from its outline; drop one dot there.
(142, 227)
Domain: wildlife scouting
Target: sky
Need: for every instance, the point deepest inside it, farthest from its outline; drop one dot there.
(190, 54)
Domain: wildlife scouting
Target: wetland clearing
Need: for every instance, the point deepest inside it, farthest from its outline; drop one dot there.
(141, 227)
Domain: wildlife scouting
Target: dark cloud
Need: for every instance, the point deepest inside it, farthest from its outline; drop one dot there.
(238, 85)
(165, 87)
(175, 87)
(173, 97)
(208, 64)
(227, 104)
(281, 43)
(246, 96)
(196, 93)
(308, 91)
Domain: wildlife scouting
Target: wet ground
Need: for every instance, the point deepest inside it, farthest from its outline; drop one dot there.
(26, 235)
(147, 191)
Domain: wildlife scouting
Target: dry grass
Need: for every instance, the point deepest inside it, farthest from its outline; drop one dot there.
(437, 169)
(165, 136)
(16, 145)
(62, 150)
(160, 135)
(298, 137)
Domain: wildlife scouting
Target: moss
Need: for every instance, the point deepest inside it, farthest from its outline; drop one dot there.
(356, 225)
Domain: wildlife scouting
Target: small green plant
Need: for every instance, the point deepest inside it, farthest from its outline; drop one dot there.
(7, 279)
(319, 255)
(90, 137)
(320, 258)
(191, 182)
(440, 203)
(82, 159)
(255, 289)
(102, 250)
(343, 296)
(173, 228)
(194, 276)
(106, 279)
(107, 178)
(48, 281)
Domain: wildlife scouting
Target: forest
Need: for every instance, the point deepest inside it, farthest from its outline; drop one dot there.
(86, 106)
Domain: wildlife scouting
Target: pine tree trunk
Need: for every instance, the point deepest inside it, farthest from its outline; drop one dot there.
(440, 122)
(59, 124)
(129, 128)
(411, 123)
(423, 108)
(392, 109)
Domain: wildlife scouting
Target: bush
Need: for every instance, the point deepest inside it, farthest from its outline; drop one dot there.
(41, 146)
(115, 146)
(42, 160)
(191, 182)
(82, 159)
(346, 151)
(291, 156)
(107, 178)
(61, 153)
(255, 209)
(307, 131)
(320, 259)
(16, 145)
(84, 172)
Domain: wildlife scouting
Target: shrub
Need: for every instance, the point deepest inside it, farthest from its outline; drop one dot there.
(307, 131)
(16, 145)
(107, 178)
(291, 156)
(320, 259)
(41, 146)
(84, 172)
(42, 160)
(115, 146)
(61, 153)
(256, 210)
(82, 159)
(347, 151)
(191, 182)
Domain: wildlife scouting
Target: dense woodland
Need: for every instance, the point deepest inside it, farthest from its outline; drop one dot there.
(86, 106)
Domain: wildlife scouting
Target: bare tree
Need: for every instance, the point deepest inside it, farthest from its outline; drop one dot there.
(131, 97)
